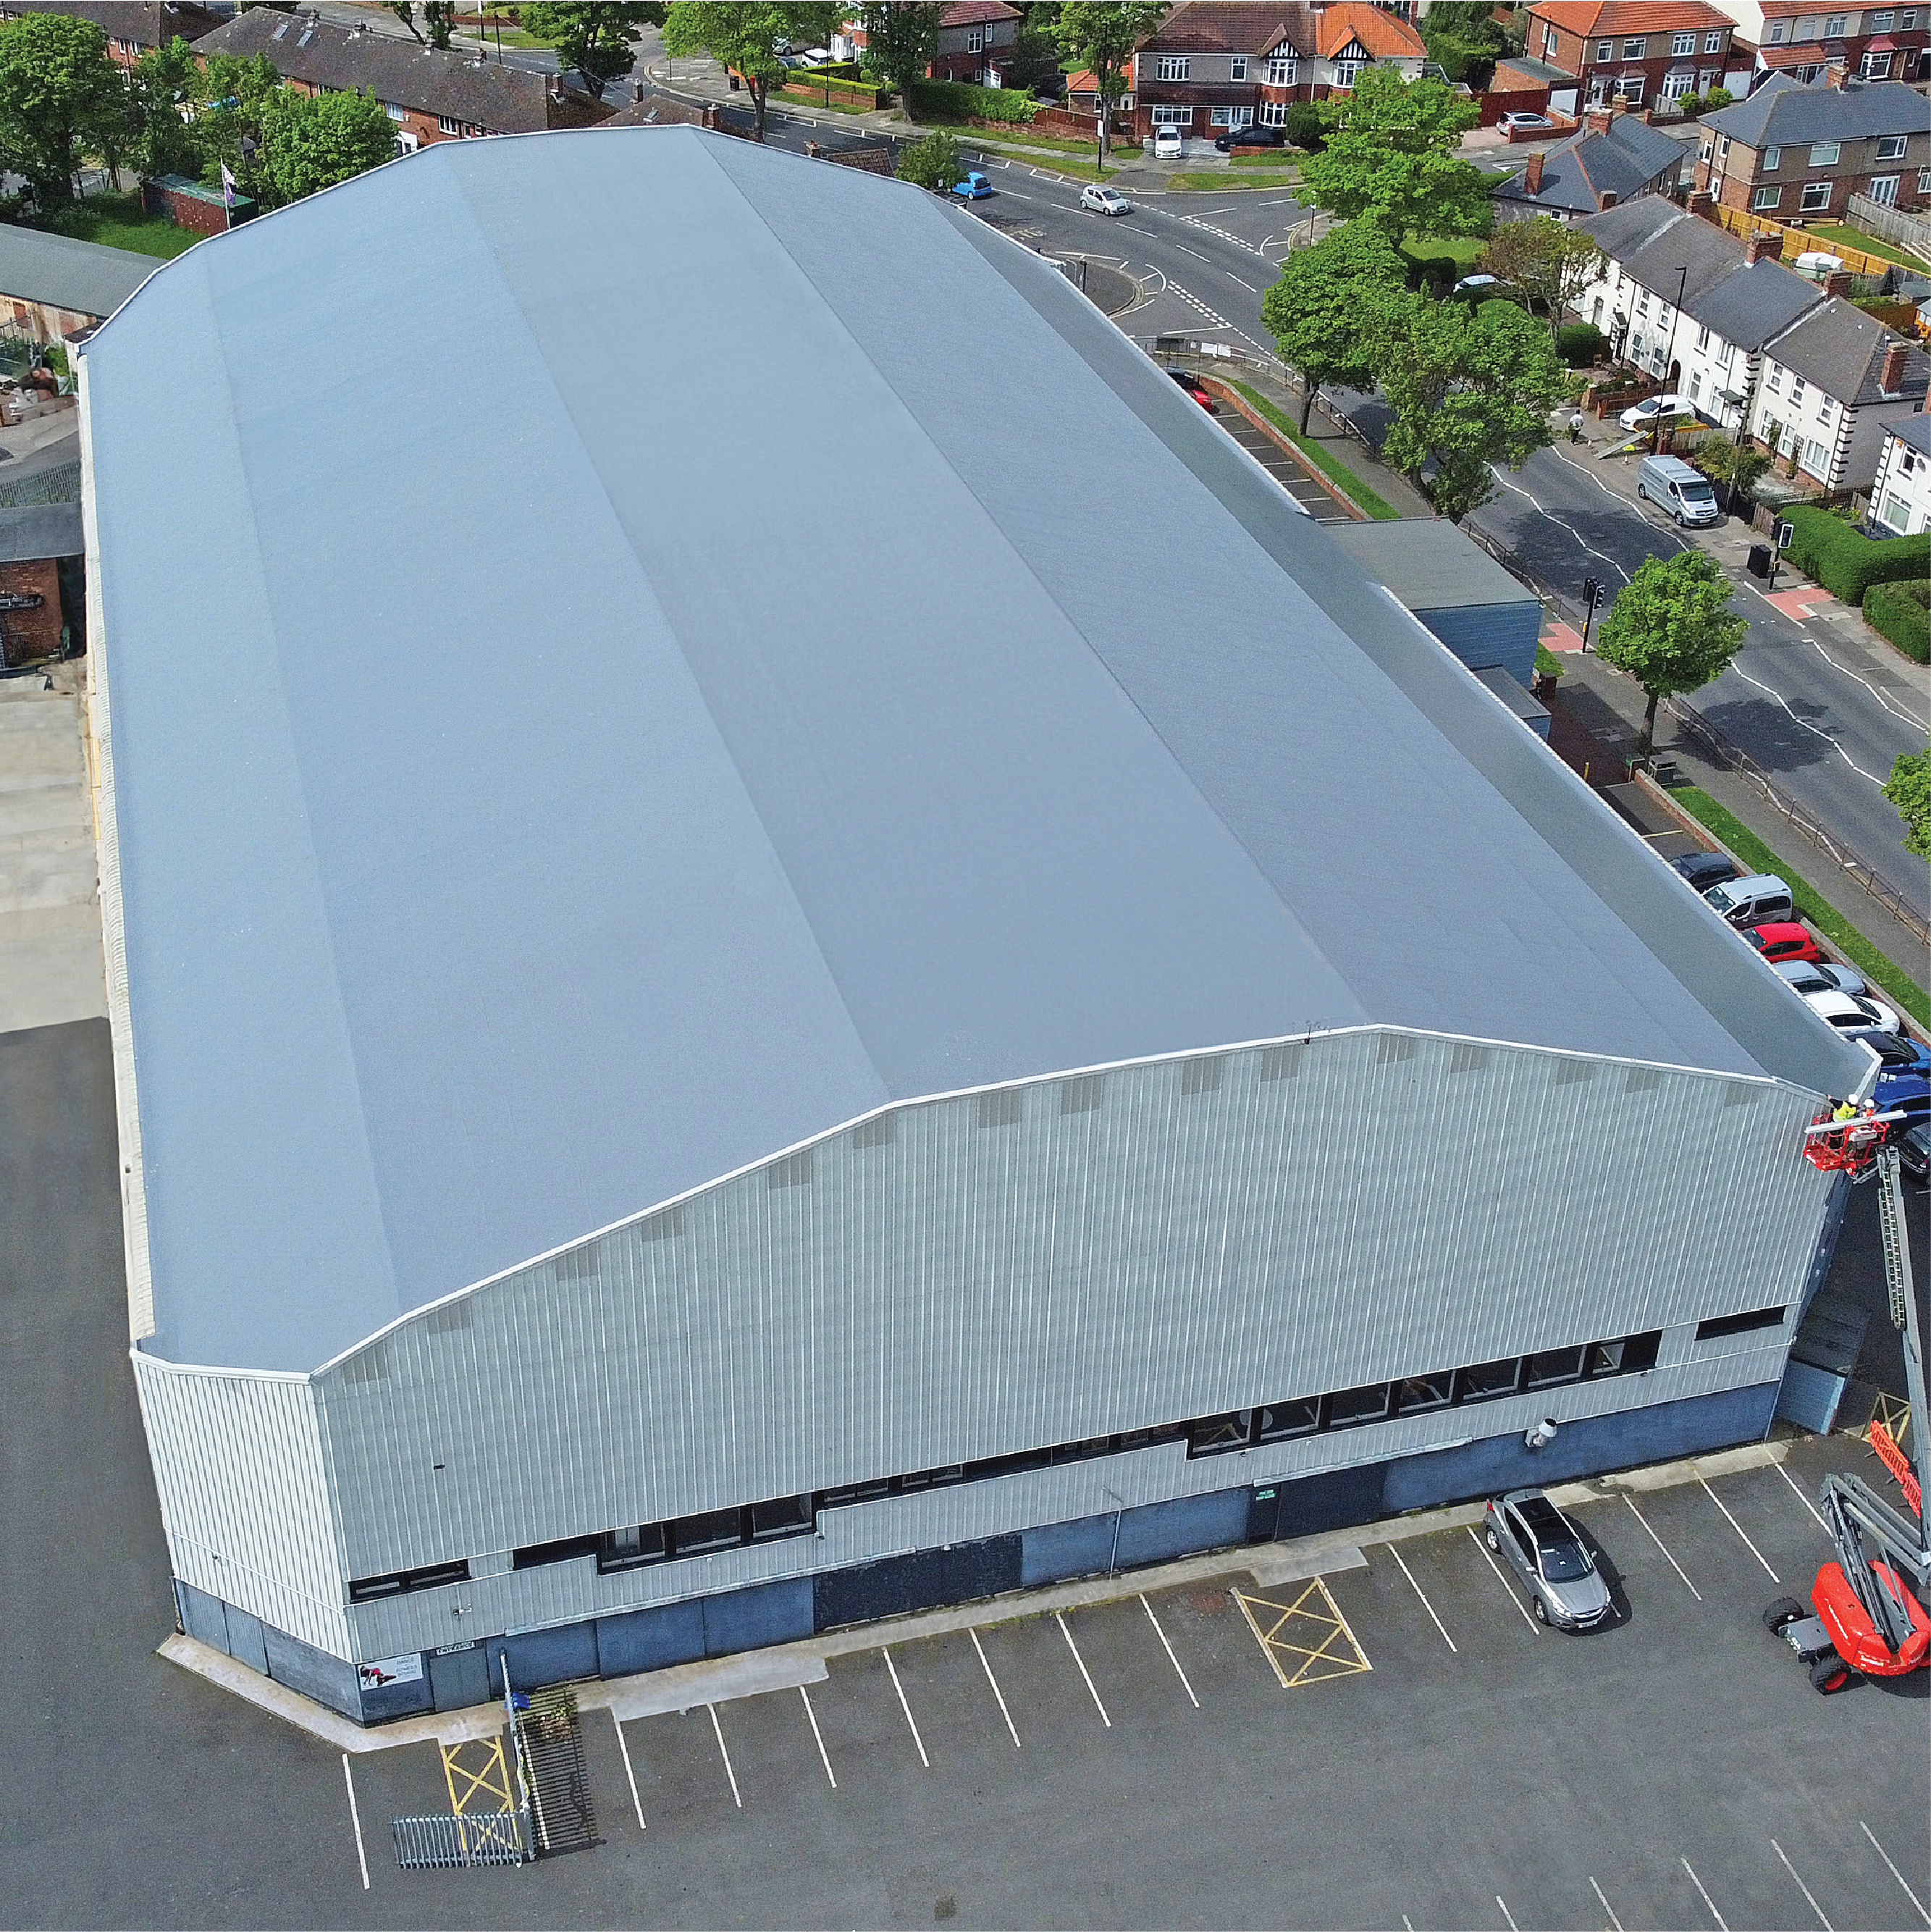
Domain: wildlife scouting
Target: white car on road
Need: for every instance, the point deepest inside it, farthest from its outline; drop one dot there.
(1105, 201)
(1647, 414)
(1851, 1012)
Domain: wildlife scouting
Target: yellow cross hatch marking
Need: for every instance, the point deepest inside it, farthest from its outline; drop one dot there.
(485, 1780)
(1307, 1640)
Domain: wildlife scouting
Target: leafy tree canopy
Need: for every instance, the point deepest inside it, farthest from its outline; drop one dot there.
(165, 80)
(750, 40)
(598, 41)
(439, 18)
(1545, 260)
(901, 42)
(1671, 628)
(933, 163)
(1390, 157)
(1102, 36)
(1316, 311)
(313, 141)
(60, 95)
(1909, 789)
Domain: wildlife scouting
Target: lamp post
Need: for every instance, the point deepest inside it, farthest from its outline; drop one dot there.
(1669, 351)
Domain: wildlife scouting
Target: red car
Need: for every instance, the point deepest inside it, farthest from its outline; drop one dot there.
(1783, 941)
(1196, 388)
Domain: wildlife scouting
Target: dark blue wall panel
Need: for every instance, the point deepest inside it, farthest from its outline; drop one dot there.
(537, 1657)
(381, 1702)
(1491, 634)
(313, 1672)
(246, 1644)
(769, 1613)
(1334, 1499)
(203, 1617)
(1063, 1549)
(1159, 1532)
(460, 1678)
(650, 1639)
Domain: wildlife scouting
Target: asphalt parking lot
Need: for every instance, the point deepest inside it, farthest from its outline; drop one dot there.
(1397, 1744)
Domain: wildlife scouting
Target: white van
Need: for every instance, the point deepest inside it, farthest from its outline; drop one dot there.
(1762, 898)
(1672, 485)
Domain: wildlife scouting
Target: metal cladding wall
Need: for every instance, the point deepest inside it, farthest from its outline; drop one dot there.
(969, 1276)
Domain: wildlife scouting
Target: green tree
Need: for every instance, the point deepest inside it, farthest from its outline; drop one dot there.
(748, 40)
(933, 163)
(900, 43)
(1543, 260)
(1671, 629)
(60, 96)
(1465, 39)
(233, 100)
(1302, 125)
(1316, 311)
(166, 81)
(1738, 468)
(599, 40)
(1390, 157)
(311, 142)
(1468, 391)
(1909, 789)
(1102, 37)
(437, 16)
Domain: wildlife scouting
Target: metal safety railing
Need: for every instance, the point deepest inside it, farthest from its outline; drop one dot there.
(443, 1843)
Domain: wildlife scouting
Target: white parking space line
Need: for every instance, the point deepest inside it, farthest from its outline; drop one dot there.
(906, 1707)
(1894, 1872)
(630, 1773)
(1059, 1617)
(1664, 1547)
(1802, 1887)
(1507, 1914)
(1169, 1649)
(362, 1857)
(1615, 1924)
(1739, 1528)
(824, 1756)
(1801, 1497)
(1489, 1558)
(985, 1664)
(1704, 1895)
(1424, 1594)
(737, 1796)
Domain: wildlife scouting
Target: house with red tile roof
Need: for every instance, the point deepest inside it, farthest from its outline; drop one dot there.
(1213, 64)
(1637, 52)
(976, 41)
(1808, 40)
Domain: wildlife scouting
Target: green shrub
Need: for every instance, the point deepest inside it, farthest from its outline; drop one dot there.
(1579, 343)
(1717, 97)
(1444, 269)
(1901, 612)
(933, 163)
(1303, 126)
(1846, 563)
(961, 100)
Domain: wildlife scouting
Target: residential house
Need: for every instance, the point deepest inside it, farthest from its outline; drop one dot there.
(1613, 157)
(976, 40)
(1211, 66)
(133, 27)
(430, 95)
(1797, 153)
(1635, 51)
(1755, 347)
(1901, 492)
(52, 285)
(41, 545)
(1807, 41)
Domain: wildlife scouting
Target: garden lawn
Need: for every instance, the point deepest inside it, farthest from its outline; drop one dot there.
(1378, 507)
(1759, 857)
(1464, 248)
(1847, 237)
(119, 221)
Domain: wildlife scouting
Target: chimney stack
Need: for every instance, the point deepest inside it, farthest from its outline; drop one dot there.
(1764, 247)
(1608, 198)
(1890, 377)
(1837, 282)
(1597, 119)
(1698, 202)
(1532, 176)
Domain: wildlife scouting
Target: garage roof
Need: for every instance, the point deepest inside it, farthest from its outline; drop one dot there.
(698, 643)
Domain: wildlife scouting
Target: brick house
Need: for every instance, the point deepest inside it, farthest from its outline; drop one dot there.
(52, 285)
(430, 96)
(35, 540)
(1612, 157)
(1807, 41)
(1797, 153)
(1211, 66)
(133, 27)
(1635, 50)
(976, 38)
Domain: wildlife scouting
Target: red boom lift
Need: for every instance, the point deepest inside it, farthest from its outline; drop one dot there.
(1869, 1605)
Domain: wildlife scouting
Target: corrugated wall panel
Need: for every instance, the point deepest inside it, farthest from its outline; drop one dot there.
(244, 1494)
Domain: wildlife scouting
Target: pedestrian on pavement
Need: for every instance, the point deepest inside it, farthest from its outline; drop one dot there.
(1575, 426)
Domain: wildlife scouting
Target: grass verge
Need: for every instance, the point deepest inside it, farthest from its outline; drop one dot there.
(818, 101)
(1051, 144)
(1856, 238)
(1322, 457)
(119, 221)
(1876, 966)
(1220, 183)
(1464, 248)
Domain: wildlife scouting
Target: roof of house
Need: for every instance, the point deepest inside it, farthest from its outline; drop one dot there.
(147, 23)
(1231, 26)
(1430, 564)
(1752, 305)
(1784, 112)
(1914, 432)
(82, 276)
(469, 88)
(1628, 16)
(1843, 351)
(976, 12)
(1624, 161)
(433, 965)
(1537, 73)
(36, 530)
(1385, 35)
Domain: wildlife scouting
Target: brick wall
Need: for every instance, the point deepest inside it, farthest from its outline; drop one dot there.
(27, 636)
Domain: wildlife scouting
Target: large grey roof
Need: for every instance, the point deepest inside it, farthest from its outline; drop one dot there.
(1430, 564)
(1844, 351)
(753, 671)
(1750, 306)
(31, 531)
(1624, 161)
(56, 269)
(1783, 111)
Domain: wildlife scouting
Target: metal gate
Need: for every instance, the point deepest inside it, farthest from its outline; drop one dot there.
(449, 1843)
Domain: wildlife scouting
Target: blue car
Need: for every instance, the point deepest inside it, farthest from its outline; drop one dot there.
(974, 188)
(1904, 1073)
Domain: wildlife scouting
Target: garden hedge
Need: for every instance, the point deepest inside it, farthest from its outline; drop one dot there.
(961, 100)
(1580, 344)
(1901, 612)
(1847, 564)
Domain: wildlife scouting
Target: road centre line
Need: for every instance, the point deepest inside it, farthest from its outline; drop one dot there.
(885, 1651)
(736, 1794)
(1425, 1603)
(1615, 1924)
(1802, 1887)
(1894, 1872)
(1801, 1497)
(1771, 690)
(1909, 717)
(1059, 1617)
(1169, 1649)
(985, 1664)
(1540, 511)
(1739, 1528)
(1489, 1558)
(628, 1773)
(1247, 286)
(1507, 1914)
(1183, 249)
(1664, 1547)
(825, 1756)
(1704, 1895)
(362, 1857)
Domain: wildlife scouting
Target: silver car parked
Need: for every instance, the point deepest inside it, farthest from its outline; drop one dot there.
(1555, 1565)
